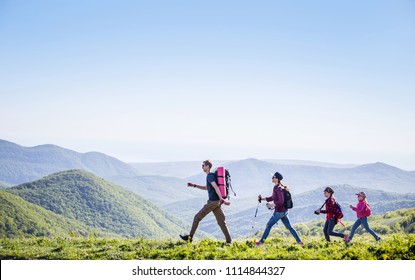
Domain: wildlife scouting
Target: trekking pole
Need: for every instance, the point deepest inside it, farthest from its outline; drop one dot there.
(256, 212)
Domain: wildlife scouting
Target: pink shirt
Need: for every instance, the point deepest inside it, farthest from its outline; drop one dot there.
(360, 209)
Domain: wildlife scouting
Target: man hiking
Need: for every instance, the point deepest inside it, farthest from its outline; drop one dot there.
(214, 204)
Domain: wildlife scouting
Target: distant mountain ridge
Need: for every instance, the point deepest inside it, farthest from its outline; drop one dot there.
(20, 164)
(310, 163)
(252, 175)
(91, 201)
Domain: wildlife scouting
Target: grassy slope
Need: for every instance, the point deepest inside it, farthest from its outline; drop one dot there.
(393, 247)
(396, 229)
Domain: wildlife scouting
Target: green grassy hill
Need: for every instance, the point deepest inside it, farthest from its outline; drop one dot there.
(94, 202)
(393, 247)
(19, 218)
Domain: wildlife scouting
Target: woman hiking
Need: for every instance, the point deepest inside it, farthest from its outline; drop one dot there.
(331, 219)
(280, 212)
(363, 211)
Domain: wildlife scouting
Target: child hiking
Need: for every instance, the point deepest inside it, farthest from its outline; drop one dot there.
(280, 211)
(331, 212)
(362, 211)
(213, 204)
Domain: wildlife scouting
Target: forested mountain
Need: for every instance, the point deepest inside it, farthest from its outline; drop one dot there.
(160, 190)
(21, 218)
(20, 164)
(94, 202)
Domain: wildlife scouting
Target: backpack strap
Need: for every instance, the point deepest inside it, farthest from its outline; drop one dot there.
(228, 180)
(230, 186)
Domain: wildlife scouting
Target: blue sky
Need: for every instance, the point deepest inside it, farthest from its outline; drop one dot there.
(189, 80)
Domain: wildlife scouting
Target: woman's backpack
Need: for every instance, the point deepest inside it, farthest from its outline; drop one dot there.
(288, 202)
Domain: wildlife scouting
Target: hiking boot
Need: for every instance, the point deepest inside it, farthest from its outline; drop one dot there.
(346, 238)
(259, 243)
(186, 238)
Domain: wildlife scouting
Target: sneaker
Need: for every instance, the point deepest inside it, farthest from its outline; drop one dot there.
(379, 239)
(186, 238)
(346, 238)
(300, 243)
(228, 243)
(259, 243)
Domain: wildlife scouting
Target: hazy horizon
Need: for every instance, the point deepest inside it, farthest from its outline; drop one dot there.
(219, 161)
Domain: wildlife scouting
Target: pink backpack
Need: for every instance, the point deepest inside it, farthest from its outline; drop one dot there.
(368, 211)
(223, 180)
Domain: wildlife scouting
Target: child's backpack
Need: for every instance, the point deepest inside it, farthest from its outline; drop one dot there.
(338, 215)
(368, 211)
(288, 202)
(223, 180)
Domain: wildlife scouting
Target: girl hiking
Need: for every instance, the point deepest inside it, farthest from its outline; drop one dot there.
(280, 212)
(362, 211)
(331, 216)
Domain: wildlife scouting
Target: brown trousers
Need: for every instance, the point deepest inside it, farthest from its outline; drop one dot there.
(215, 207)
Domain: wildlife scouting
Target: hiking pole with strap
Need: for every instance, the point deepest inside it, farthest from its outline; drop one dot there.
(256, 212)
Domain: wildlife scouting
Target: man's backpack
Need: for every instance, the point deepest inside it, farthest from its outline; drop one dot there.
(288, 202)
(223, 180)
